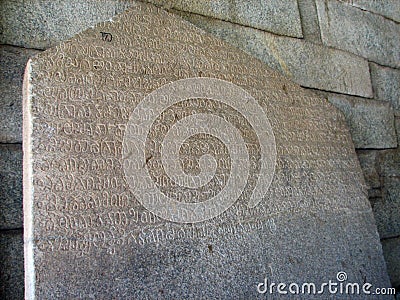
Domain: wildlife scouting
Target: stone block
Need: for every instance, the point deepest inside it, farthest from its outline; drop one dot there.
(11, 265)
(391, 250)
(367, 160)
(12, 66)
(387, 8)
(309, 21)
(387, 209)
(389, 163)
(41, 24)
(386, 85)
(371, 122)
(278, 16)
(361, 32)
(397, 123)
(306, 63)
(10, 186)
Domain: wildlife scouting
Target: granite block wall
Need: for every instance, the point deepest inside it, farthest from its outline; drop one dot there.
(348, 51)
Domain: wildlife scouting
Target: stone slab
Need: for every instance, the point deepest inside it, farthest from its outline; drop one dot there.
(160, 162)
(387, 8)
(11, 265)
(371, 122)
(10, 186)
(42, 24)
(387, 209)
(277, 16)
(12, 65)
(361, 32)
(391, 250)
(308, 64)
(386, 85)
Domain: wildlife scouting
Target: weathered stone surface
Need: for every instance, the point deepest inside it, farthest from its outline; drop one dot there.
(278, 16)
(389, 162)
(367, 160)
(391, 250)
(12, 65)
(397, 124)
(371, 122)
(361, 32)
(306, 63)
(387, 210)
(160, 162)
(309, 21)
(11, 265)
(386, 85)
(42, 24)
(10, 186)
(387, 8)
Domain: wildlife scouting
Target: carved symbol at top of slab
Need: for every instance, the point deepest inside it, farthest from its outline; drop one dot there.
(141, 147)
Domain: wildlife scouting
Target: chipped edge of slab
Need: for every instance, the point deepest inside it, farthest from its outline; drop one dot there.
(28, 185)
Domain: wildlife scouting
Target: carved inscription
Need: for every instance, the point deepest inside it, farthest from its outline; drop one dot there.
(162, 163)
(129, 141)
(106, 36)
(195, 119)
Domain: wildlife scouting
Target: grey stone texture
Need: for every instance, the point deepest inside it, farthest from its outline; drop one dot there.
(10, 186)
(42, 24)
(387, 209)
(391, 250)
(368, 163)
(387, 8)
(278, 16)
(12, 66)
(371, 122)
(11, 265)
(309, 21)
(397, 123)
(81, 242)
(306, 63)
(386, 85)
(389, 161)
(366, 34)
